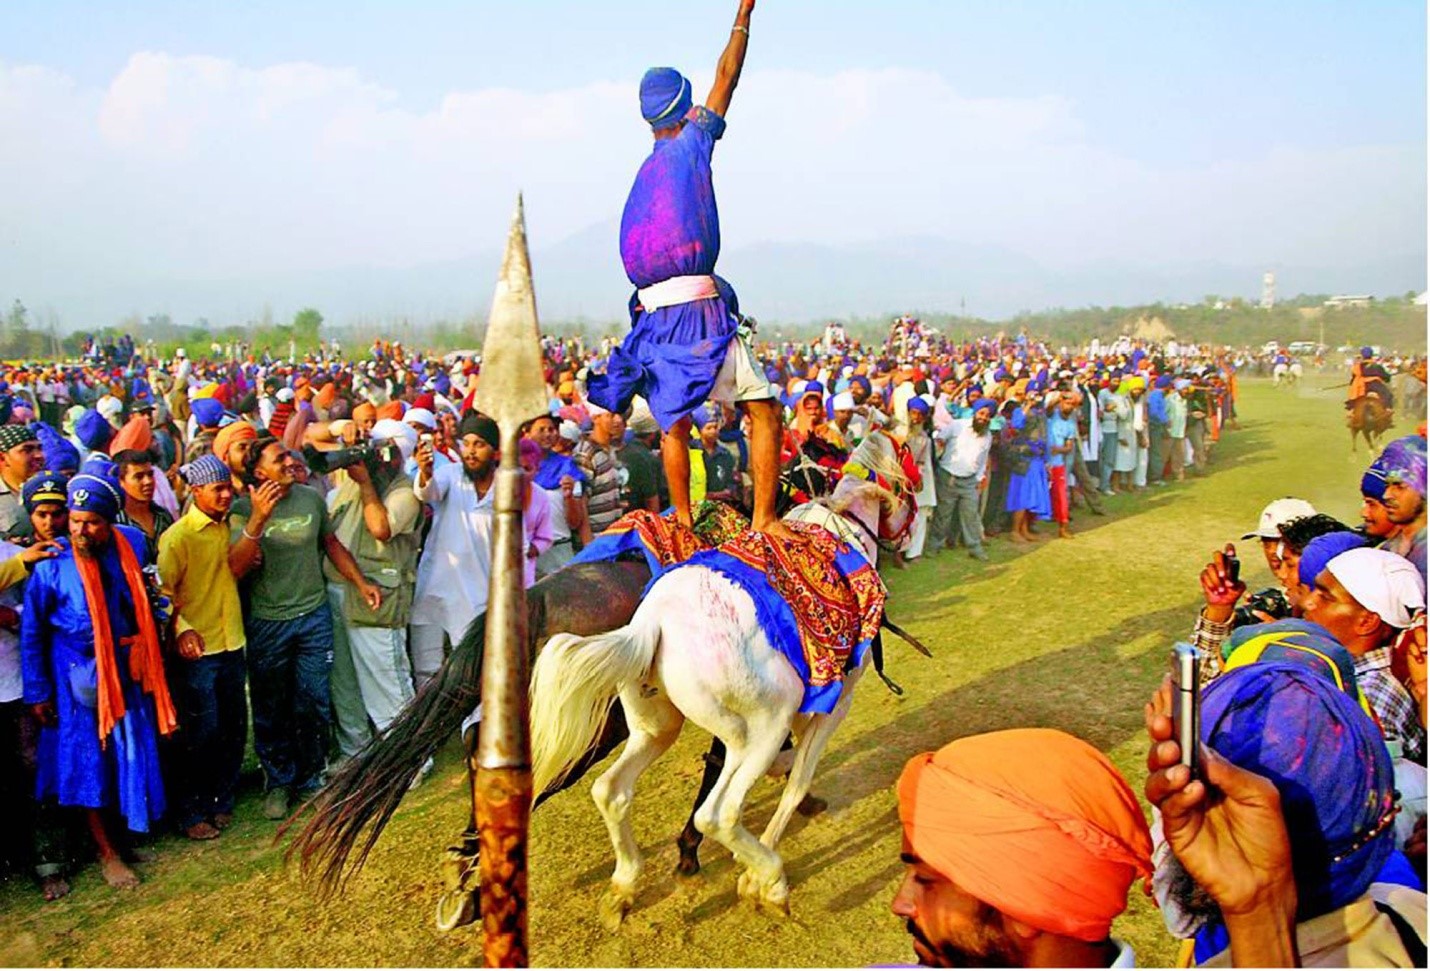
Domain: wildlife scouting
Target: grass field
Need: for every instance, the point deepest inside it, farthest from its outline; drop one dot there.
(1071, 635)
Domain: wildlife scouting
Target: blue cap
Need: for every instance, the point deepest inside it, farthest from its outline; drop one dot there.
(665, 97)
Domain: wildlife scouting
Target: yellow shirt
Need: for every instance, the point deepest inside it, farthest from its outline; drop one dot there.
(193, 565)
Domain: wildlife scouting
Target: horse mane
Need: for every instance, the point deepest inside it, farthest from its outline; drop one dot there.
(877, 454)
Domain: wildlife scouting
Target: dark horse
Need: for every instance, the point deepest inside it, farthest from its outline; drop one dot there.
(1368, 417)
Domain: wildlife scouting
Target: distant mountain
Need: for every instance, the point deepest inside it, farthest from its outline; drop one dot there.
(580, 277)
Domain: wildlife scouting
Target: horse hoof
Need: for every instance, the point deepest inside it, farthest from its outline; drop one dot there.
(613, 909)
(775, 901)
(811, 805)
(456, 909)
(687, 866)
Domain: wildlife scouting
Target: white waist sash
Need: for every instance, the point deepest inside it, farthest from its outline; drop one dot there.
(676, 290)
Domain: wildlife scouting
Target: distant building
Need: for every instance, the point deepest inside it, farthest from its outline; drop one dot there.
(1268, 290)
(1350, 300)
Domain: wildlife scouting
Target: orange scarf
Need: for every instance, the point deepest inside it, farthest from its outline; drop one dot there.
(146, 666)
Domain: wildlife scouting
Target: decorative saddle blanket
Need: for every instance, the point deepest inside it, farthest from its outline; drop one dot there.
(818, 600)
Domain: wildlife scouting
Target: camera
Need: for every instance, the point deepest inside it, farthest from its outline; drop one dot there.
(370, 455)
(1271, 601)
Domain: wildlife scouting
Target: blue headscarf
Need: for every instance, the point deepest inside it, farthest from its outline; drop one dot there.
(1329, 762)
(988, 403)
(208, 412)
(60, 453)
(665, 97)
(1322, 550)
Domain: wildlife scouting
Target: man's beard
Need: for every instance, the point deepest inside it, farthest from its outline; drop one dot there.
(479, 473)
(992, 952)
(980, 426)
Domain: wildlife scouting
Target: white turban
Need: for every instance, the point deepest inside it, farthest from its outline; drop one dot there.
(420, 416)
(1382, 582)
(844, 401)
(392, 430)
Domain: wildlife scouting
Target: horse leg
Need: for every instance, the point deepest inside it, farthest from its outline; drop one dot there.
(690, 837)
(811, 747)
(764, 878)
(655, 724)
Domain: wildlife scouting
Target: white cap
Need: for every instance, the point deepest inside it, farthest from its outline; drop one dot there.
(392, 430)
(1385, 583)
(284, 394)
(570, 431)
(109, 406)
(1277, 514)
(420, 416)
(844, 401)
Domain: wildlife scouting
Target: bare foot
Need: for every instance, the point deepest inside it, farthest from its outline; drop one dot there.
(117, 874)
(777, 530)
(1065, 534)
(54, 886)
(1018, 538)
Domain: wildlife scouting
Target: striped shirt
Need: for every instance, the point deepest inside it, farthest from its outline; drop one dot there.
(603, 483)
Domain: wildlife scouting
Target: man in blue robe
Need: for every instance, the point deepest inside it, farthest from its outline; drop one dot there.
(688, 342)
(98, 745)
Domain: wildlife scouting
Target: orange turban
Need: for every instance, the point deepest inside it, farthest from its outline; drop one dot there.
(238, 431)
(366, 411)
(393, 410)
(136, 434)
(1033, 822)
(325, 397)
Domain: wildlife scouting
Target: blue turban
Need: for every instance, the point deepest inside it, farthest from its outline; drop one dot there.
(46, 486)
(1372, 484)
(96, 494)
(1163, 381)
(918, 404)
(93, 430)
(860, 379)
(1366, 352)
(1322, 550)
(101, 465)
(1329, 762)
(701, 417)
(665, 97)
(1298, 642)
(208, 412)
(60, 453)
(1403, 461)
(988, 403)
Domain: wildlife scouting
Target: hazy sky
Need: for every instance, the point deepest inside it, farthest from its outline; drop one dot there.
(205, 140)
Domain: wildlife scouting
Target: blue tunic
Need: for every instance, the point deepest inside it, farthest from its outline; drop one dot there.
(671, 228)
(57, 663)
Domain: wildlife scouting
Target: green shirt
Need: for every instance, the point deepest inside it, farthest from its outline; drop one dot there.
(289, 582)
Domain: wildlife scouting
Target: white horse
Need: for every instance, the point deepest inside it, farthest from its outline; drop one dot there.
(694, 649)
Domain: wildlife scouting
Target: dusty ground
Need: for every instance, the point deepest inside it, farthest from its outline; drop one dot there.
(1071, 635)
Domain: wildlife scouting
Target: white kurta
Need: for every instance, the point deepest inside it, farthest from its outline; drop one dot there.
(454, 573)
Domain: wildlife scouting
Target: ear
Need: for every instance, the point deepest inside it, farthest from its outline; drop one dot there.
(1022, 935)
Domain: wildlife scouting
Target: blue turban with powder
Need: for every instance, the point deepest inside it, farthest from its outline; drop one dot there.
(1322, 550)
(96, 494)
(665, 97)
(1403, 461)
(1326, 757)
(987, 403)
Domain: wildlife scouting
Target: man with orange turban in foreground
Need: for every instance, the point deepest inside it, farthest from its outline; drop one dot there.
(1021, 846)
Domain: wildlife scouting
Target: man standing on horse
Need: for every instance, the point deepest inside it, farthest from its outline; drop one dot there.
(688, 341)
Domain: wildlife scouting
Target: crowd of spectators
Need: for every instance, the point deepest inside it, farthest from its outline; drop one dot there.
(194, 545)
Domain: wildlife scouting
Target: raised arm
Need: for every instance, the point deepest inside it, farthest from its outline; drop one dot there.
(727, 72)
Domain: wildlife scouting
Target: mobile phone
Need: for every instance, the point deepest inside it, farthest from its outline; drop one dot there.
(1187, 702)
(1233, 568)
(425, 438)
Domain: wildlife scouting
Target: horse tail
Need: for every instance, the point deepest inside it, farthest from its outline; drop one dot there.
(349, 813)
(574, 683)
